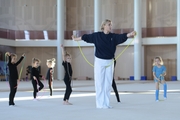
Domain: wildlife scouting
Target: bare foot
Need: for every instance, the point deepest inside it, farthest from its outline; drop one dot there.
(67, 103)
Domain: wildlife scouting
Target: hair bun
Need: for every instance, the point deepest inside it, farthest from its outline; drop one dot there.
(53, 59)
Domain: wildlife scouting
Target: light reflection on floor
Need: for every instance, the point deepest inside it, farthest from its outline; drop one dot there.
(43, 94)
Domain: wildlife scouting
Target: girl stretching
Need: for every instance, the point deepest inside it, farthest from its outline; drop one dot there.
(68, 75)
(35, 75)
(13, 76)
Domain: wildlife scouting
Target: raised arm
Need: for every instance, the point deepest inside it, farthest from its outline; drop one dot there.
(62, 49)
(19, 61)
(9, 57)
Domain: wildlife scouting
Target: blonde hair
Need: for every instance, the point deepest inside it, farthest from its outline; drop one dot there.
(160, 59)
(35, 60)
(52, 62)
(67, 54)
(104, 23)
(13, 55)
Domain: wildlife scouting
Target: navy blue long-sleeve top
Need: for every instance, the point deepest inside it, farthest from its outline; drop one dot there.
(13, 72)
(105, 44)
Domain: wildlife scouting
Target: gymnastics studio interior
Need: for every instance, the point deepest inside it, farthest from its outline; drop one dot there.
(38, 28)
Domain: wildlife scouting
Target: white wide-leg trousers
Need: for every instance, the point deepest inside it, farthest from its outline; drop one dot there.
(103, 73)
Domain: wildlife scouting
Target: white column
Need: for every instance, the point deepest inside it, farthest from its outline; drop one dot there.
(178, 39)
(143, 25)
(97, 15)
(60, 37)
(137, 39)
(142, 61)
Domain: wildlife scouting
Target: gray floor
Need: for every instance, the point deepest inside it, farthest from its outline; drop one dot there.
(138, 102)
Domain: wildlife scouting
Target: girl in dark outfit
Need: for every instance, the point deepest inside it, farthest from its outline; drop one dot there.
(49, 76)
(35, 75)
(105, 44)
(114, 86)
(13, 77)
(68, 75)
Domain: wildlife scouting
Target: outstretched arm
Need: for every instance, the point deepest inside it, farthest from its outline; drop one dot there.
(131, 34)
(76, 38)
(62, 49)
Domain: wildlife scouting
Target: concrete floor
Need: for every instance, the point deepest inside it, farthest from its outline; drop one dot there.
(137, 102)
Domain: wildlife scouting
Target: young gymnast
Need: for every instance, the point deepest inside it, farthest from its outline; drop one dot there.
(49, 76)
(68, 75)
(105, 43)
(159, 71)
(35, 77)
(13, 75)
(114, 86)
